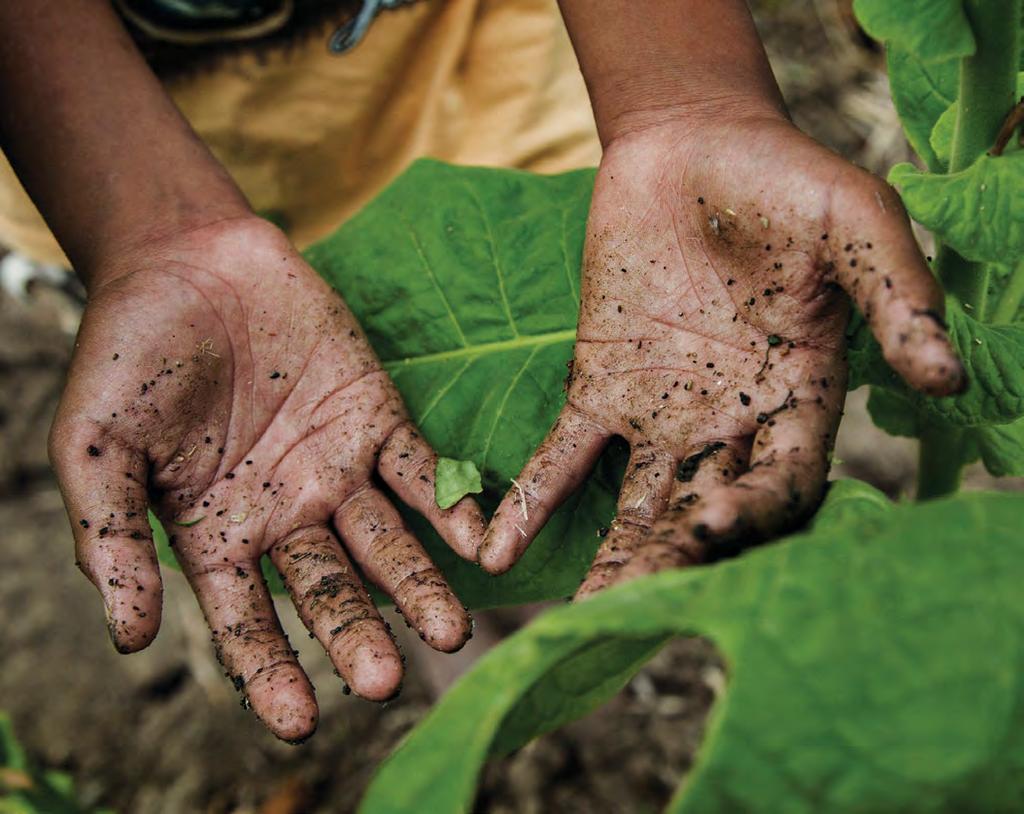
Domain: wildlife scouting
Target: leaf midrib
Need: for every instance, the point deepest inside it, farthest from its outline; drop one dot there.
(519, 342)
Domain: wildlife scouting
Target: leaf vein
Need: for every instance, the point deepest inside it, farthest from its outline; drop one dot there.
(504, 401)
(433, 279)
(474, 351)
(492, 248)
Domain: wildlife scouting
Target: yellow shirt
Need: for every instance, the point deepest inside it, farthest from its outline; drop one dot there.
(310, 137)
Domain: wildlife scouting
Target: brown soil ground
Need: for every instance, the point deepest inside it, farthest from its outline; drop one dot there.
(161, 731)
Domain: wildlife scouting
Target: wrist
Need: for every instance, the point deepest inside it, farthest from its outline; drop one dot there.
(230, 248)
(686, 115)
(653, 62)
(139, 236)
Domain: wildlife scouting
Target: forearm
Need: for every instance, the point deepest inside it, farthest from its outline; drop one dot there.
(94, 138)
(650, 61)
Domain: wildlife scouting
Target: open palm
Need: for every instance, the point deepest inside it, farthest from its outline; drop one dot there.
(219, 379)
(711, 338)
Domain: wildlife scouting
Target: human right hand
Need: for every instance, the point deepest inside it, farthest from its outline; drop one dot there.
(217, 378)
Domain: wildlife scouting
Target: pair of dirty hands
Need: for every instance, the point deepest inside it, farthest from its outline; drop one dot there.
(217, 376)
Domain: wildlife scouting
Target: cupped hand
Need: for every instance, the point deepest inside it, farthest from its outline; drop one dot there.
(711, 338)
(219, 380)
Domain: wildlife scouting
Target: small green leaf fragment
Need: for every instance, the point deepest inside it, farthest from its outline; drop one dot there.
(453, 480)
(774, 339)
(189, 523)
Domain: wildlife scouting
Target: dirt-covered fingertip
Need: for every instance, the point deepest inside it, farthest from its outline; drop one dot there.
(463, 527)
(133, 611)
(496, 556)
(923, 355)
(292, 715)
(128, 637)
(376, 672)
(446, 629)
(945, 376)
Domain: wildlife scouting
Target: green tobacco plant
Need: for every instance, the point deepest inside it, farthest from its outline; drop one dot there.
(954, 67)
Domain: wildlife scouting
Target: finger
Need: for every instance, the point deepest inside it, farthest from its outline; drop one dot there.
(104, 487)
(252, 647)
(556, 470)
(389, 555)
(786, 479)
(407, 463)
(710, 465)
(877, 261)
(643, 497)
(336, 608)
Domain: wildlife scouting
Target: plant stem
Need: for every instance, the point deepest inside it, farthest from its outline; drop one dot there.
(940, 461)
(1009, 301)
(988, 88)
(988, 91)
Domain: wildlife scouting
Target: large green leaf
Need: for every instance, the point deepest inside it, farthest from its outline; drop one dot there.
(922, 92)
(929, 29)
(466, 281)
(992, 354)
(978, 211)
(873, 666)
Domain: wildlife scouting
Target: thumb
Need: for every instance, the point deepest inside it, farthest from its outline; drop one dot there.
(874, 257)
(103, 483)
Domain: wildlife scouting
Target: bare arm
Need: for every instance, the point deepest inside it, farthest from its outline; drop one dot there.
(94, 137)
(656, 61)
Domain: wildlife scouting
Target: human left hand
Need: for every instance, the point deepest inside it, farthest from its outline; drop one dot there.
(711, 338)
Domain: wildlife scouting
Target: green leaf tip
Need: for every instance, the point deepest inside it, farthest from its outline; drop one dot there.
(453, 480)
